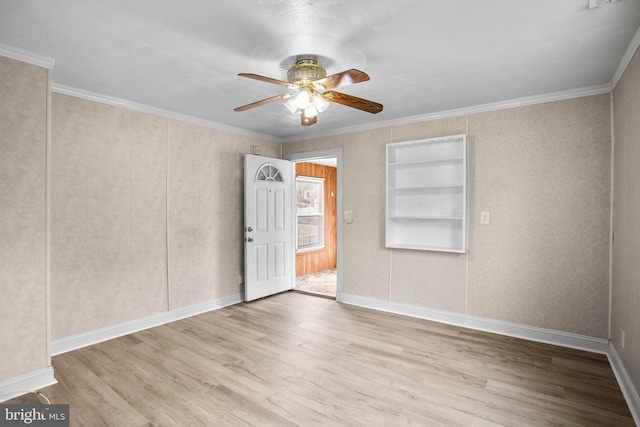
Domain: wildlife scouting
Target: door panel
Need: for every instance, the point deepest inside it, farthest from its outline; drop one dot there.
(268, 227)
(280, 209)
(261, 263)
(279, 261)
(262, 210)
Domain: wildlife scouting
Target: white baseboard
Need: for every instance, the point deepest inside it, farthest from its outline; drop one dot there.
(627, 387)
(26, 383)
(548, 336)
(85, 339)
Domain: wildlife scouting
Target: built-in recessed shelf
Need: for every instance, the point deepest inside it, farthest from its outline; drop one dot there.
(427, 194)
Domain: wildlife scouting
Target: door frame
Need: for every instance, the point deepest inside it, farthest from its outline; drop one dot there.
(314, 155)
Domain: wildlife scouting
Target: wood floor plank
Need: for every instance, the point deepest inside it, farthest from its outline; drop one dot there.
(298, 360)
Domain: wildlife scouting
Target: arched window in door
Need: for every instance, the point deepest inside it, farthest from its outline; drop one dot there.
(268, 172)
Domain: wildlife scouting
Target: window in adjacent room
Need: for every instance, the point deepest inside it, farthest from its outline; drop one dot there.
(309, 213)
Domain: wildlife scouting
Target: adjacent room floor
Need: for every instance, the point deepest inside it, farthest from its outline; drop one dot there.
(322, 283)
(298, 360)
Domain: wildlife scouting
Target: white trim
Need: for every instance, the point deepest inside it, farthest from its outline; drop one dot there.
(25, 56)
(26, 383)
(85, 339)
(626, 385)
(626, 59)
(130, 105)
(548, 336)
(482, 108)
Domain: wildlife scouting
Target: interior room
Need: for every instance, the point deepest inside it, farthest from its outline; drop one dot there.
(126, 247)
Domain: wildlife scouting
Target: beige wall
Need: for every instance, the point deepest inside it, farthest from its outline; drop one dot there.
(146, 214)
(543, 171)
(23, 130)
(626, 220)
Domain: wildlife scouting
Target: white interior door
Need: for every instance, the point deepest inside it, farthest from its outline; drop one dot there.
(268, 236)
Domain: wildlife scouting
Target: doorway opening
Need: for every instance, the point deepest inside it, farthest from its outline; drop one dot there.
(315, 223)
(317, 201)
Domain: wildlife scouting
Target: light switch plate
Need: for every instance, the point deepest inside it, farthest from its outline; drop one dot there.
(348, 217)
(485, 218)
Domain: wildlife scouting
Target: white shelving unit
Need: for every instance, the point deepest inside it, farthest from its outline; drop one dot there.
(427, 194)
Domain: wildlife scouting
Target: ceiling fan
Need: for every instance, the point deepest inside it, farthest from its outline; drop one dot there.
(314, 91)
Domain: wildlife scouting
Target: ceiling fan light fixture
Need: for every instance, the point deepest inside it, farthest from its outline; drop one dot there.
(313, 91)
(302, 99)
(310, 111)
(291, 105)
(320, 103)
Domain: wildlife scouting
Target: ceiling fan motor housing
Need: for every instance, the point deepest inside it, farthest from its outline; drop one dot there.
(305, 69)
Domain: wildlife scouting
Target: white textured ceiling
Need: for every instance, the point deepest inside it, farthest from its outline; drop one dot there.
(423, 56)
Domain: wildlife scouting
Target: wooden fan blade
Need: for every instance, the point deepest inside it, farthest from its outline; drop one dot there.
(265, 79)
(262, 102)
(342, 79)
(353, 102)
(307, 121)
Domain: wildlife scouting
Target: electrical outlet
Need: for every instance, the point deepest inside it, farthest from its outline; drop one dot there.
(622, 338)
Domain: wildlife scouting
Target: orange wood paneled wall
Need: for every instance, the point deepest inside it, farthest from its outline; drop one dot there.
(322, 259)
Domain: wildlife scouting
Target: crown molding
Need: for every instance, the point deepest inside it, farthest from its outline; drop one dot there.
(626, 59)
(26, 56)
(130, 105)
(482, 108)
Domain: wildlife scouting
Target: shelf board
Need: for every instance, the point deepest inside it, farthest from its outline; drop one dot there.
(399, 245)
(428, 187)
(426, 217)
(437, 162)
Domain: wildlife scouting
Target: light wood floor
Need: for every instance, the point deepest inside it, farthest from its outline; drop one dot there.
(295, 359)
